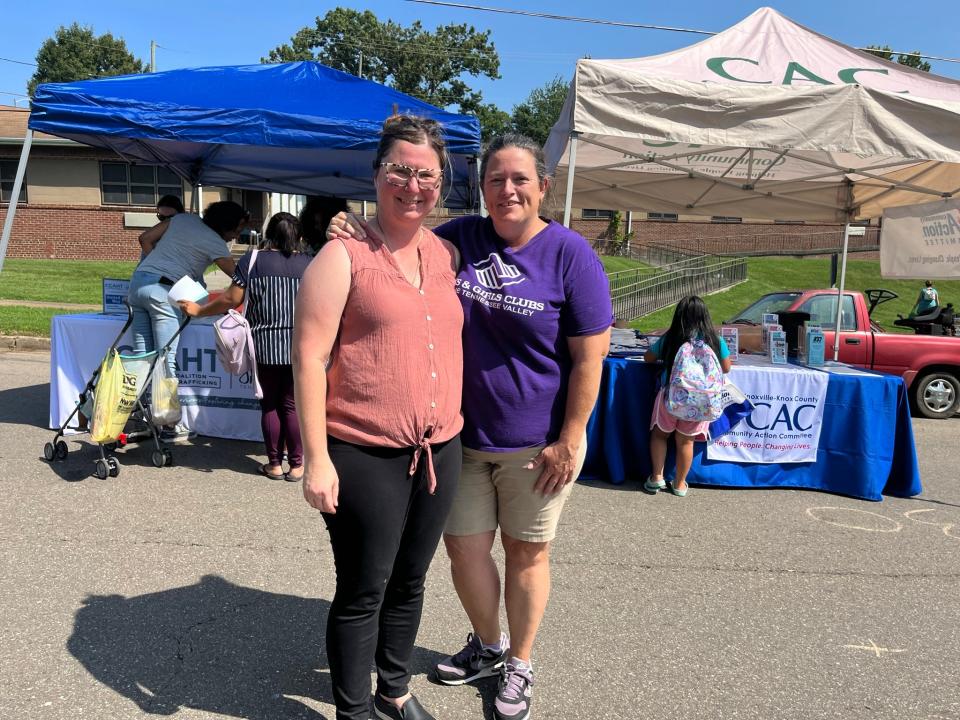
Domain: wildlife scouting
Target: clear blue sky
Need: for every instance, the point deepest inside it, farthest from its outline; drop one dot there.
(532, 51)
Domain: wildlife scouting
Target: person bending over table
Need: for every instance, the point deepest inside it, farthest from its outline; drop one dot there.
(270, 291)
(184, 245)
(381, 425)
(537, 317)
(167, 207)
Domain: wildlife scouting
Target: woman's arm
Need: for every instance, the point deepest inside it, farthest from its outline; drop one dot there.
(583, 384)
(230, 298)
(320, 303)
(148, 238)
(227, 264)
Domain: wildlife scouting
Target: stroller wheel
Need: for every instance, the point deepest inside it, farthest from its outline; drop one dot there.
(48, 452)
(102, 470)
(61, 450)
(114, 466)
(167, 457)
(158, 458)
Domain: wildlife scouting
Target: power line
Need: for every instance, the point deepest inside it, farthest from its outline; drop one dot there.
(18, 62)
(640, 26)
(571, 18)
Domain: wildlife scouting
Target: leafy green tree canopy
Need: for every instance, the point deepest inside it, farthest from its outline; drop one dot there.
(912, 59)
(428, 65)
(75, 53)
(537, 114)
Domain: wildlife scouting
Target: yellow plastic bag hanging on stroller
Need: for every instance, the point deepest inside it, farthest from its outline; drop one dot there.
(115, 397)
(164, 403)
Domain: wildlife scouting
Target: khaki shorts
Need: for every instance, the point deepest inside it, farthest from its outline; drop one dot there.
(495, 489)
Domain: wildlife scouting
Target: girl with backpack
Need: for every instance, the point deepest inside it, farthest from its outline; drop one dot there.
(692, 353)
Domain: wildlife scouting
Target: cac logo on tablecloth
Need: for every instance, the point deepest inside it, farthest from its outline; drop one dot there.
(784, 426)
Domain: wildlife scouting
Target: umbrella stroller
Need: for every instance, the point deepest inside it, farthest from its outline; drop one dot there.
(139, 422)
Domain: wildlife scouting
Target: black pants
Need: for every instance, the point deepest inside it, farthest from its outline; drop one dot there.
(384, 535)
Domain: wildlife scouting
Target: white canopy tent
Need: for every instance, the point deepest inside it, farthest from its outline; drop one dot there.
(766, 120)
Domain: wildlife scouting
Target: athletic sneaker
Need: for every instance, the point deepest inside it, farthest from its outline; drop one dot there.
(514, 695)
(472, 662)
(176, 433)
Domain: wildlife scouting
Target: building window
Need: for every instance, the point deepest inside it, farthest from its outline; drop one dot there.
(725, 219)
(662, 217)
(123, 184)
(458, 212)
(8, 173)
(788, 222)
(592, 214)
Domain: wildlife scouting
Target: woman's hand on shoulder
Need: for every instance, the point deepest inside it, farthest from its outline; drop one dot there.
(559, 461)
(346, 225)
(321, 485)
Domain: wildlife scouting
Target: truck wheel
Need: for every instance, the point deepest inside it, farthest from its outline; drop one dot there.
(937, 395)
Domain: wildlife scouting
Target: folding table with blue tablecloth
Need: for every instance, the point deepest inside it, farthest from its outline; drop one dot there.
(866, 447)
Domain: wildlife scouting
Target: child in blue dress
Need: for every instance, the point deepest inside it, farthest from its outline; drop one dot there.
(691, 321)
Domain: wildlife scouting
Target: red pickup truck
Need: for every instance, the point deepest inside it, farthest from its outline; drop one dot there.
(928, 362)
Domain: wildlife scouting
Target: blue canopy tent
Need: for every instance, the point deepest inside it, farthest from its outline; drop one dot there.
(299, 128)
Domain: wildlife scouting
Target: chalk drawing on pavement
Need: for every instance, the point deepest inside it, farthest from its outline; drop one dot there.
(855, 519)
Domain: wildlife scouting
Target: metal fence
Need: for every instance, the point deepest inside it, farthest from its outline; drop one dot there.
(775, 243)
(640, 292)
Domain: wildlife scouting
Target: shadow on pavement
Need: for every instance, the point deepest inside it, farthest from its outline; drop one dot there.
(213, 646)
(25, 405)
(203, 454)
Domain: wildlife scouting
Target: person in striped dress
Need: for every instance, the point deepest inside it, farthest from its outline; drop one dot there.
(270, 289)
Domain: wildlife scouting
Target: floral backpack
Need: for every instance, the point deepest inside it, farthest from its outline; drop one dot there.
(696, 383)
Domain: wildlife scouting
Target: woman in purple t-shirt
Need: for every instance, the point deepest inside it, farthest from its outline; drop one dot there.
(537, 318)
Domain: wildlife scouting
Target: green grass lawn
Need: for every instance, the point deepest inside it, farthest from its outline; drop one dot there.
(68, 281)
(27, 320)
(616, 264)
(78, 281)
(770, 274)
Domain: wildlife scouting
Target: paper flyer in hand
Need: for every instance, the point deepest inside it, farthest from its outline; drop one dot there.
(186, 288)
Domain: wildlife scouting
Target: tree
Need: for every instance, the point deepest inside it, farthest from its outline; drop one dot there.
(427, 65)
(911, 59)
(75, 53)
(493, 122)
(538, 113)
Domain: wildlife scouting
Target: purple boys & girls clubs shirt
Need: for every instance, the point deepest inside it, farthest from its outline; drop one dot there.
(519, 307)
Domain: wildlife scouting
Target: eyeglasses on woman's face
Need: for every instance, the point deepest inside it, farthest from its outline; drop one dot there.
(401, 175)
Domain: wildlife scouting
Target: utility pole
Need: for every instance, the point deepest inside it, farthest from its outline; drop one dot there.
(153, 56)
(360, 69)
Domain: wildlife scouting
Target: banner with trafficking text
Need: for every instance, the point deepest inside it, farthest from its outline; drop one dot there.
(214, 402)
(921, 241)
(784, 426)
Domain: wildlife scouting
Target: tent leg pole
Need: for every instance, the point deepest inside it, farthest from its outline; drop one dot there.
(843, 278)
(15, 195)
(483, 204)
(571, 168)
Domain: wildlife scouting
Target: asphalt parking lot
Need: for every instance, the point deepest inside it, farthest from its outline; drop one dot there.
(201, 590)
